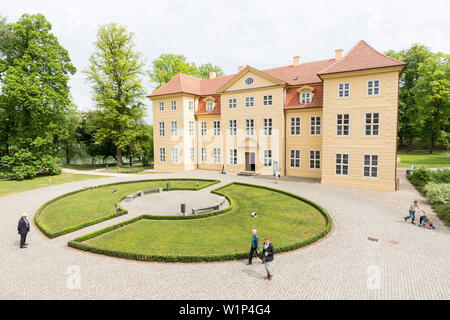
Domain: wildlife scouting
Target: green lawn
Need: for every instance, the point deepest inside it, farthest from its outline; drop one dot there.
(93, 204)
(12, 186)
(423, 159)
(284, 219)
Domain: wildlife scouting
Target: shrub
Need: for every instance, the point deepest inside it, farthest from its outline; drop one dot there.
(438, 193)
(441, 176)
(443, 212)
(420, 177)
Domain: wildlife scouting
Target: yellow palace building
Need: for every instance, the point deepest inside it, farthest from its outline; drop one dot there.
(335, 120)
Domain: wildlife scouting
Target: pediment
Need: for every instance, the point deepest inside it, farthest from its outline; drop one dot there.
(241, 81)
(306, 89)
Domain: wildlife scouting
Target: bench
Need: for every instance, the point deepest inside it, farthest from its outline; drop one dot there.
(142, 193)
(208, 209)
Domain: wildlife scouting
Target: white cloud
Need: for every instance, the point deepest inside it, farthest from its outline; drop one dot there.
(229, 33)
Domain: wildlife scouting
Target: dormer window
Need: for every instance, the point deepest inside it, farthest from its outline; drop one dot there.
(305, 94)
(305, 97)
(209, 106)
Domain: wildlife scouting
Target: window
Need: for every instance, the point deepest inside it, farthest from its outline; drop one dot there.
(267, 127)
(314, 159)
(204, 154)
(162, 154)
(232, 104)
(370, 166)
(173, 105)
(191, 155)
(267, 158)
(233, 127)
(373, 87)
(249, 81)
(249, 127)
(267, 100)
(174, 128)
(372, 126)
(174, 155)
(305, 97)
(209, 106)
(162, 130)
(161, 106)
(217, 155)
(216, 125)
(344, 90)
(249, 101)
(342, 164)
(191, 105)
(295, 126)
(203, 128)
(343, 124)
(295, 158)
(191, 128)
(233, 156)
(315, 126)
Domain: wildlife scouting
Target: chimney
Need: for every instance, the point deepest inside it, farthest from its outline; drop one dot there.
(212, 74)
(240, 68)
(338, 54)
(296, 60)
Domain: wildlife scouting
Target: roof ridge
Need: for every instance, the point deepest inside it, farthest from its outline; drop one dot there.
(291, 65)
(345, 55)
(380, 53)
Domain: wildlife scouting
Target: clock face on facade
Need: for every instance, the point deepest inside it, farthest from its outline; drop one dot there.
(249, 81)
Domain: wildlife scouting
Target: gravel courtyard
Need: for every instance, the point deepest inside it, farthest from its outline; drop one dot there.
(407, 262)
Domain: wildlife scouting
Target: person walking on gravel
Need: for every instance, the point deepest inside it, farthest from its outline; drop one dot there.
(254, 247)
(268, 253)
(23, 228)
(412, 212)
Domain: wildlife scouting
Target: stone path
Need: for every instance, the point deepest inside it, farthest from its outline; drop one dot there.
(407, 262)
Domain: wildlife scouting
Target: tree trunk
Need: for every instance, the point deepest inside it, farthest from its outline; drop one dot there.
(131, 161)
(431, 145)
(119, 157)
(67, 155)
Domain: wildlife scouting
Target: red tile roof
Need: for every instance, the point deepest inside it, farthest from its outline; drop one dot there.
(362, 56)
(293, 98)
(201, 110)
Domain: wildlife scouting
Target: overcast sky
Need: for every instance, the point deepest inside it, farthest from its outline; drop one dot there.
(230, 33)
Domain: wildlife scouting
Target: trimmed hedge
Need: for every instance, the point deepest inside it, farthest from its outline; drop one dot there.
(78, 242)
(121, 211)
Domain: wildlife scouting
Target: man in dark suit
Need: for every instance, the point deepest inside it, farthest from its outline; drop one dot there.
(268, 253)
(23, 228)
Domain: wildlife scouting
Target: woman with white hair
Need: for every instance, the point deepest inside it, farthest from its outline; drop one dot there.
(23, 228)
(254, 247)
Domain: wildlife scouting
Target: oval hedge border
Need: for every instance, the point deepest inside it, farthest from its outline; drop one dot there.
(78, 242)
(120, 212)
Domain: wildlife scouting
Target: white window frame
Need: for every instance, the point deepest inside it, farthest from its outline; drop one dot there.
(305, 97)
(174, 128)
(216, 126)
(209, 106)
(371, 88)
(249, 102)
(371, 124)
(191, 155)
(162, 154)
(204, 154)
(233, 157)
(191, 105)
(203, 128)
(191, 128)
(293, 127)
(315, 162)
(249, 127)
(343, 125)
(162, 129)
(371, 166)
(173, 105)
(232, 103)
(343, 90)
(267, 158)
(295, 158)
(175, 156)
(232, 126)
(315, 129)
(217, 157)
(161, 106)
(268, 100)
(267, 126)
(341, 164)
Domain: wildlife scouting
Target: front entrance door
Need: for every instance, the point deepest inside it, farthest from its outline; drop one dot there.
(249, 161)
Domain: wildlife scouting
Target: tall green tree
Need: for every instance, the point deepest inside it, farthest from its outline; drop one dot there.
(432, 96)
(168, 65)
(410, 123)
(115, 73)
(35, 97)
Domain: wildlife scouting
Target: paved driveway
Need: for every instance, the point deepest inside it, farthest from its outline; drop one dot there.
(407, 262)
